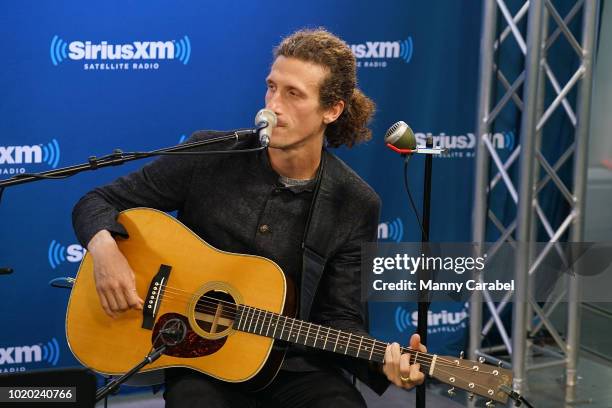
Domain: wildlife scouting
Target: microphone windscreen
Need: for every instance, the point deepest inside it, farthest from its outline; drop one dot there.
(266, 115)
(401, 136)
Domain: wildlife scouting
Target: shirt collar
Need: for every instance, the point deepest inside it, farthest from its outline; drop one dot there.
(272, 177)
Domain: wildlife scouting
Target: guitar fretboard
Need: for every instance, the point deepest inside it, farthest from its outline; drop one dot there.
(261, 322)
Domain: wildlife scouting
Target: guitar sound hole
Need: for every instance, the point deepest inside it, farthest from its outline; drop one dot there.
(215, 311)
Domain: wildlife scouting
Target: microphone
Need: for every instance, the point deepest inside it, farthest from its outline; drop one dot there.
(401, 139)
(265, 121)
(5, 271)
(64, 282)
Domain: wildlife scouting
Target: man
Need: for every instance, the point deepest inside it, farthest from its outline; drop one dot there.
(295, 203)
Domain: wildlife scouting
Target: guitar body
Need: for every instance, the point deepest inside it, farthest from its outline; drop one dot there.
(186, 284)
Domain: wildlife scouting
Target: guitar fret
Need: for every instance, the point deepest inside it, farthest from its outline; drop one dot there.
(251, 321)
(248, 317)
(371, 350)
(239, 320)
(254, 320)
(241, 308)
(347, 343)
(259, 312)
(316, 336)
(416, 355)
(257, 319)
(248, 309)
(307, 331)
(299, 330)
(269, 324)
(359, 347)
(291, 329)
(384, 346)
(337, 338)
(283, 329)
(265, 313)
(275, 326)
(326, 336)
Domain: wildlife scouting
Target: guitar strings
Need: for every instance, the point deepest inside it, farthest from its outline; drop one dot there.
(232, 314)
(379, 346)
(352, 343)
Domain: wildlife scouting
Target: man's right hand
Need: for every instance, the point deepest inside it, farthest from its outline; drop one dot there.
(114, 278)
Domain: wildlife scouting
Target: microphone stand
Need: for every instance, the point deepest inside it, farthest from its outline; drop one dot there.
(113, 385)
(172, 333)
(423, 294)
(119, 157)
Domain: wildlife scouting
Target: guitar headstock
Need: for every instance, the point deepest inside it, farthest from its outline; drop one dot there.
(475, 377)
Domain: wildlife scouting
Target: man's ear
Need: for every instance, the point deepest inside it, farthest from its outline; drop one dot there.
(333, 113)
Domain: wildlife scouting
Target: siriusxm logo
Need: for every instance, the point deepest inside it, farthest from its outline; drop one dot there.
(38, 353)
(35, 154)
(57, 253)
(436, 322)
(392, 231)
(460, 144)
(60, 50)
(376, 53)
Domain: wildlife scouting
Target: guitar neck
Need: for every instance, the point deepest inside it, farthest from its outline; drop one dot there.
(273, 325)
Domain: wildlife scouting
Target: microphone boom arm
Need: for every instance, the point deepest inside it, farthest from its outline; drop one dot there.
(119, 157)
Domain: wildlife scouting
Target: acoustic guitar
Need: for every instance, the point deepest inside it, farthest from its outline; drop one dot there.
(227, 315)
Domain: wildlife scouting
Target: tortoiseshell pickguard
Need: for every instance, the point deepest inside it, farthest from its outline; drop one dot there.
(192, 345)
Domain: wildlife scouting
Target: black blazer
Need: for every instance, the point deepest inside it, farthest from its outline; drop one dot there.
(345, 213)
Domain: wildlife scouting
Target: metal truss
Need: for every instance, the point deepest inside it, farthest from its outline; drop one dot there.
(526, 93)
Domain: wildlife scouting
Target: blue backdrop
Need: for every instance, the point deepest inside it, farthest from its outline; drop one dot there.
(201, 65)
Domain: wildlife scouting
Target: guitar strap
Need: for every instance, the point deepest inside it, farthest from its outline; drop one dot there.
(315, 243)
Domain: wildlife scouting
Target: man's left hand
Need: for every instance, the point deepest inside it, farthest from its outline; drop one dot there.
(397, 366)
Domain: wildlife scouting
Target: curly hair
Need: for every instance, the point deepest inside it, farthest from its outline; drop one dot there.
(321, 47)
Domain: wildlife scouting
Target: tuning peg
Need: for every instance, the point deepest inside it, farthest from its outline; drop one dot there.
(451, 392)
(481, 360)
(471, 396)
(500, 363)
(461, 355)
(490, 404)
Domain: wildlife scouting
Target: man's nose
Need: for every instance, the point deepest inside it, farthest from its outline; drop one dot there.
(273, 102)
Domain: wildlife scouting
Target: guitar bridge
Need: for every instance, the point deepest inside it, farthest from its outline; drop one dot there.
(154, 296)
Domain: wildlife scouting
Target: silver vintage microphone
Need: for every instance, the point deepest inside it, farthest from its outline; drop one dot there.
(265, 121)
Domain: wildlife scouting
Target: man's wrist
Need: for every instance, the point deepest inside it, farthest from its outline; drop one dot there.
(100, 241)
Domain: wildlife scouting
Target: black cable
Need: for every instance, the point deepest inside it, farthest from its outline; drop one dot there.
(42, 176)
(524, 401)
(151, 154)
(518, 398)
(416, 213)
